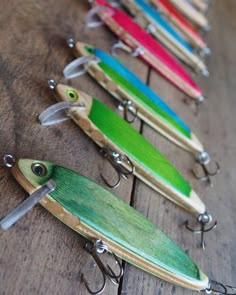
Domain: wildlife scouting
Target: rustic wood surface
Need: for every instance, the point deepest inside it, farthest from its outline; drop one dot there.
(39, 255)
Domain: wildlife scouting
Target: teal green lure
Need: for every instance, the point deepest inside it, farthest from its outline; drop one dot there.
(151, 108)
(96, 213)
(110, 131)
(135, 146)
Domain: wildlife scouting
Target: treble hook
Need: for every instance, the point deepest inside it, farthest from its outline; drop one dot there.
(219, 289)
(203, 219)
(126, 106)
(203, 159)
(95, 249)
(118, 162)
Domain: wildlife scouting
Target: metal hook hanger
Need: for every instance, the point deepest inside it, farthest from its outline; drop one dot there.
(118, 162)
(203, 220)
(203, 159)
(127, 106)
(95, 249)
(219, 289)
(121, 45)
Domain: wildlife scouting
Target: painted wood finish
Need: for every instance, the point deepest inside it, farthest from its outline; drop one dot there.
(146, 15)
(191, 13)
(154, 53)
(108, 130)
(96, 213)
(176, 18)
(202, 6)
(124, 85)
(39, 255)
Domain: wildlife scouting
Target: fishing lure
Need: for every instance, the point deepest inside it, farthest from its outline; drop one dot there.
(142, 44)
(126, 150)
(184, 27)
(155, 24)
(136, 97)
(191, 13)
(202, 6)
(104, 219)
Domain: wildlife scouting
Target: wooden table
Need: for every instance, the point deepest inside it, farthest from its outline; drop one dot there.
(39, 255)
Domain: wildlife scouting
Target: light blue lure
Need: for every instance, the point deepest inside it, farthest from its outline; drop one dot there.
(159, 20)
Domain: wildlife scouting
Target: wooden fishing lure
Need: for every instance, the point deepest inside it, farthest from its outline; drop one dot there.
(97, 214)
(155, 24)
(202, 6)
(130, 91)
(185, 28)
(191, 13)
(142, 44)
(126, 148)
(100, 216)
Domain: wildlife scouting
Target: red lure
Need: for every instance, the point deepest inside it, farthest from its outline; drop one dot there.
(186, 28)
(153, 52)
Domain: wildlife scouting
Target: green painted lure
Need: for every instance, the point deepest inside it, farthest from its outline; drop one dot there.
(97, 214)
(124, 147)
(139, 99)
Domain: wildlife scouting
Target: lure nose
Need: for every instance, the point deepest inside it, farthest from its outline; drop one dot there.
(67, 93)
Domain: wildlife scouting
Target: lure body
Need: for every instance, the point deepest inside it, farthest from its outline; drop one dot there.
(176, 18)
(202, 6)
(152, 52)
(96, 213)
(111, 132)
(152, 20)
(124, 85)
(191, 13)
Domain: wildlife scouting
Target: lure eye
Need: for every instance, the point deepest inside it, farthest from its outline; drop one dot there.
(72, 94)
(39, 169)
(89, 49)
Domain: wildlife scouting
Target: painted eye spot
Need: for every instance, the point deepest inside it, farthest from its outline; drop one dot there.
(39, 169)
(89, 49)
(72, 94)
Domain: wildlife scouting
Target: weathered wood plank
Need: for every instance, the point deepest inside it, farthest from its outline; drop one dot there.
(215, 127)
(39, 254)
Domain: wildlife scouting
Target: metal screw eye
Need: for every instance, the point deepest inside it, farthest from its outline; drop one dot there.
(9, 161)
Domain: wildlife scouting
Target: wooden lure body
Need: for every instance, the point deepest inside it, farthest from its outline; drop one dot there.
(96, 213)
(200, 5)
(191, 13)
(112, 133)
(149, 50)
(151, 20)
(184, 27)
(125, 86)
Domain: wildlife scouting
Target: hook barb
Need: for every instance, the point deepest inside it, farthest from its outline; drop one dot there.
(127, 106)
(219, 289)
(203, 220)
(94, 249)
(203, 160)
(119, 163)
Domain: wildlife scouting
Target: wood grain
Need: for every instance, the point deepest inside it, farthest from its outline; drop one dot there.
(39, 255)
